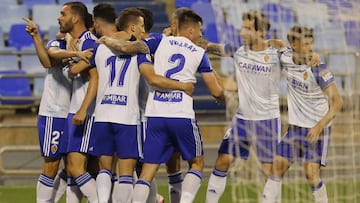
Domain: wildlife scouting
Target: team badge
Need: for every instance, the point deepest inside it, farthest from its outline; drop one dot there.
(266, 58)
(54, 148)
(55, 44)
(306, 75)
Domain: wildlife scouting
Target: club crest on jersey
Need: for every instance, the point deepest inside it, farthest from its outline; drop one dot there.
(306, 76)
(266, 58)
(168, 96)
(54, 148)
(55, 44)
(114, 99)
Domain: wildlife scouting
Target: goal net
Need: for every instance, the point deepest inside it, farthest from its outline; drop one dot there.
(336, 28)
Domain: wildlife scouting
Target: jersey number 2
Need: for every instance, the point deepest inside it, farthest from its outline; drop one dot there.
(111, 61)
(180, 59)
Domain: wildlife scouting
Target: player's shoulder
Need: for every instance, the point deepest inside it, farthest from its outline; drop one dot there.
(57, 43)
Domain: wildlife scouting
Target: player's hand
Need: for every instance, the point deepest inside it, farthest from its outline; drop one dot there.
(188, 88)
(101, 40)
(220, 99)
(31, 27)
(314, 61)
(72, 43)
(314, 133)
(85, 55)
(167, 31)
(79, 117)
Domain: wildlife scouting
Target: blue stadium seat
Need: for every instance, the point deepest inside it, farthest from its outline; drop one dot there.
(9, 2)
(204, 104)
(46, 15)
(18, 37)
(281, 17)
(13, 87)
(31, 3)
(61, 2)
(206, 11)
(210, 33)
(30, 63)
(53, 30)
(2, 39)
(330, 37)
(12, 14)
(343, 66)
(9, 62)
(188, 3)
(311, 14)
(352, 30)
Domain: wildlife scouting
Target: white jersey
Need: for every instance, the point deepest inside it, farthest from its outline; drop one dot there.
(307, 103)
(179, 59)
(144, 88)
(118, 89)
(257, 76)
(81, 82)
(55, 100)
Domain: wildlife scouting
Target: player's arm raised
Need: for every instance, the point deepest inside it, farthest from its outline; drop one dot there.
(41, 51)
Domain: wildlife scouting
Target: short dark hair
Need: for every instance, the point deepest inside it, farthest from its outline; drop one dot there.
(298, 32)
(261, 23)
(188, 16)
(81, 9)
(105, 12)
(148, 18)
(128, 16)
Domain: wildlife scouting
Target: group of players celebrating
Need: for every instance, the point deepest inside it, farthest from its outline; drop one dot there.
(117, 97)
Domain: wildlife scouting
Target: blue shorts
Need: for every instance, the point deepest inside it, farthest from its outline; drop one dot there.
(113, 137)
(294, 146)
(51, 139)
(79, 136)
(263, 134)
(167, 135)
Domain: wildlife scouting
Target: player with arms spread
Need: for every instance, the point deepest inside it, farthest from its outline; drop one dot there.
(310, 115)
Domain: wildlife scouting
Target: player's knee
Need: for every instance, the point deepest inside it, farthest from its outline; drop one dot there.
(280, 166)
(50, 168)
(223, 162)
(197, 163)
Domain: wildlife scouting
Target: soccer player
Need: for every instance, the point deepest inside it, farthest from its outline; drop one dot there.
(52, 111)
(143, 94)
(73, 20)
(52, 115)
(309, 114)
(257, 121)
(171, 124)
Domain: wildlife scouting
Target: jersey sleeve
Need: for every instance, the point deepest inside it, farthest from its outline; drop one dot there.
(205, 66)
(153, 42)
(92, 59)
(87, 44)
(143, 58)
(57, 43)
(323, 76)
